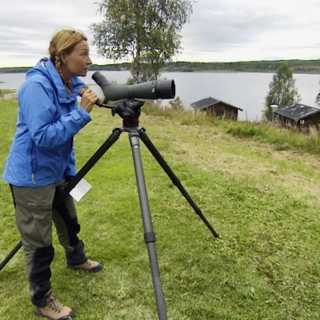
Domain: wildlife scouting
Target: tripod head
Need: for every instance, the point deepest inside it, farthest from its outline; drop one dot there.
(129, 110)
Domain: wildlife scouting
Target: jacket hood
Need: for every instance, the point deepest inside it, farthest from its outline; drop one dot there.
(46, 68)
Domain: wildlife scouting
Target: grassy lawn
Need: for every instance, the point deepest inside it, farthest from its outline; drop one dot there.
(262, 199)
(3, 92)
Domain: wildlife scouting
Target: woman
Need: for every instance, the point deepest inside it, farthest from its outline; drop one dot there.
(41, 160)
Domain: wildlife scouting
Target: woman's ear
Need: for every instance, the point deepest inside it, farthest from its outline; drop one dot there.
(63, 59)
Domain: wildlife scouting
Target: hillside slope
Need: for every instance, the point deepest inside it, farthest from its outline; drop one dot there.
(263, 201)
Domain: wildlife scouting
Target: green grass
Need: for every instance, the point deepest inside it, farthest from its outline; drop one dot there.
(3, 92)
(263, 200)
(280, 138)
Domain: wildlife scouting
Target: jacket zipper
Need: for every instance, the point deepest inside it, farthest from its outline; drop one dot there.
(33, 164)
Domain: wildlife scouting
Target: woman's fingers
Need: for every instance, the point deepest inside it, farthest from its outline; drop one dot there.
(90, 95)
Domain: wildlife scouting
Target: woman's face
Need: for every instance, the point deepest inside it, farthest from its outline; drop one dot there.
(78, 61)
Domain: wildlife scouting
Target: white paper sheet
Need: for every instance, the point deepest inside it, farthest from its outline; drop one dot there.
(80, 190)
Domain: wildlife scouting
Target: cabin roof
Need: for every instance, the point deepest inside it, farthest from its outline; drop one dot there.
(209, 102)
(297, 111)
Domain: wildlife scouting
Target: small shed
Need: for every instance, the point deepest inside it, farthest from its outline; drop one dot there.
(298, 116)
(217, 108)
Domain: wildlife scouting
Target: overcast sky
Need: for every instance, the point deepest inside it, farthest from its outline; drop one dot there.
(219, 30)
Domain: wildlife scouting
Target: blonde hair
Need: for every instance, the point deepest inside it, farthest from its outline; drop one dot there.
(63, 42)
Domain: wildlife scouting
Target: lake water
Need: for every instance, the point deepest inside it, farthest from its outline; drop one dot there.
(243, 89)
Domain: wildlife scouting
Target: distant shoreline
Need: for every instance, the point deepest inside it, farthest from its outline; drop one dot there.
(264, 66)
(177, 71)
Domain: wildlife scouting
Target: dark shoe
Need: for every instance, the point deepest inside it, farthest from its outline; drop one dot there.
(54, 310)
(89, 266)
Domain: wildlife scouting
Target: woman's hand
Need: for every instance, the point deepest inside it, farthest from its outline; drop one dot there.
(88, 99)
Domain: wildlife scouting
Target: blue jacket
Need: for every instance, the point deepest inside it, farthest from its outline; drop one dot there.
(48, 118)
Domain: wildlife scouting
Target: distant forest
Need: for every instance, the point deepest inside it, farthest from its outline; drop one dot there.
(298, 66)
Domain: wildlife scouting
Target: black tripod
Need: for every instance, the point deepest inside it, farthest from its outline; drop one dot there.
(129, 111)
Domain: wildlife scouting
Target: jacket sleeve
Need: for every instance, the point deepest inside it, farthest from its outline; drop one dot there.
(39, 113)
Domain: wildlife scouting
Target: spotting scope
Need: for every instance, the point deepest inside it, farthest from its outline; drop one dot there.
(160, 89)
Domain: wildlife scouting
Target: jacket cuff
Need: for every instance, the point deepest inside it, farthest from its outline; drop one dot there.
(81, 115)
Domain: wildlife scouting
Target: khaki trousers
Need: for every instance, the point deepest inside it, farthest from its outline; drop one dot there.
(36, 210)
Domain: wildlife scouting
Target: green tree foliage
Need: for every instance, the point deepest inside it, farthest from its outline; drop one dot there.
(143, 31)
(282, 91)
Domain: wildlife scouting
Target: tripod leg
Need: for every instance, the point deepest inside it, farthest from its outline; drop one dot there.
(10, 255)
(17, 247)
(94, 159)
(174, 179)
(149, 235)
